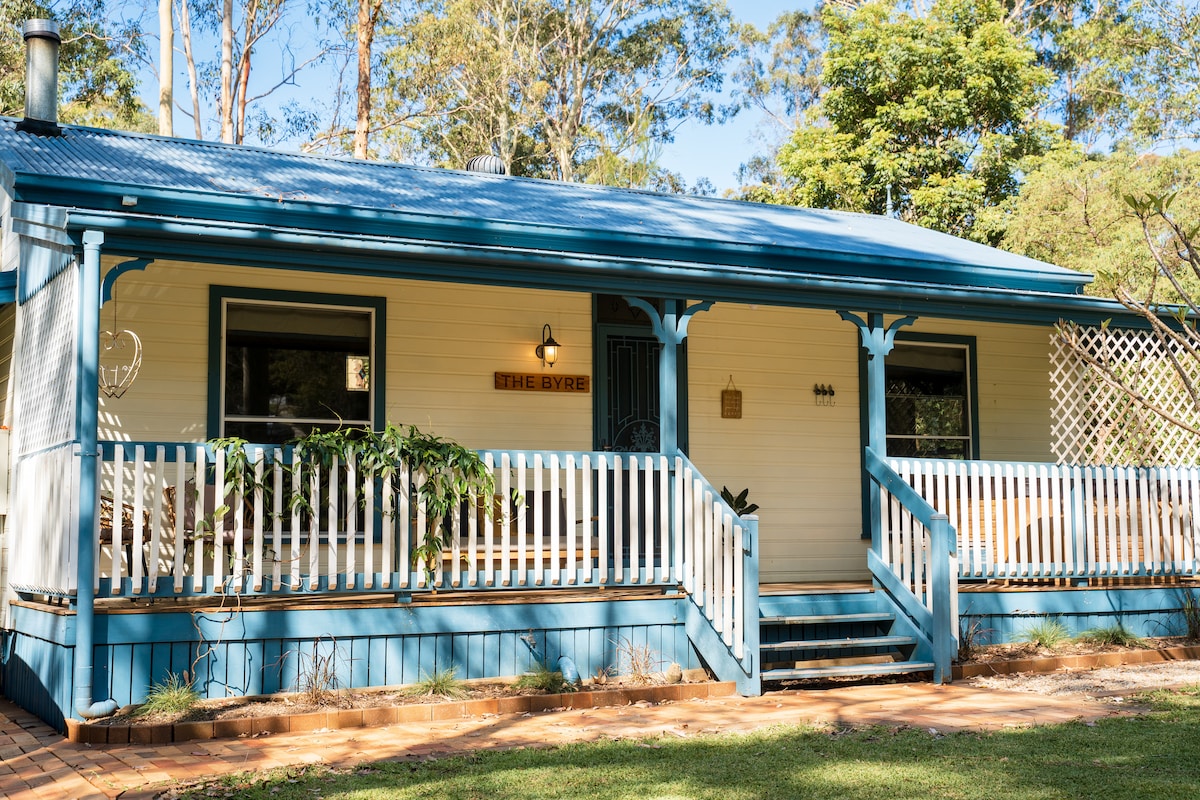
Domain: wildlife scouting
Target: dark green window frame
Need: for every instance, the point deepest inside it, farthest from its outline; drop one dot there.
(969, 342)
(219, 296)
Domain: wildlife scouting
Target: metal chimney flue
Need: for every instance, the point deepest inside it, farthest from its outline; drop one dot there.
(41, 78)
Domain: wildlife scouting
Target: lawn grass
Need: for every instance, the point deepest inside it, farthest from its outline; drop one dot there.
(1153, 755)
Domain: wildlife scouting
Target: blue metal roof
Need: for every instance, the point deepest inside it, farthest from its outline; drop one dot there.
(344, 195)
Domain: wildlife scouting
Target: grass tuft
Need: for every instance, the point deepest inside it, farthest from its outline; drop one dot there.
(439, 683)
(1190, 609)
(1049, 633)
(971, 636)
(543, 679)
(1112, 635)
(173, 695)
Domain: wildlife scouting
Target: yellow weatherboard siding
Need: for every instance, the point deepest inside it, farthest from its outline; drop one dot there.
(800, 459)
(444, 344)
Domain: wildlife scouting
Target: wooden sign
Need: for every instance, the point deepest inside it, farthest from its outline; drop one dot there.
(731, 401)
(543, 382)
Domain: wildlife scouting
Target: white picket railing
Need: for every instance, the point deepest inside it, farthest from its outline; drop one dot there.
(557, 519)
(712, 558)
(1017, 520)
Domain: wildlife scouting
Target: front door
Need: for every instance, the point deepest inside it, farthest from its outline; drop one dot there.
(626, 395)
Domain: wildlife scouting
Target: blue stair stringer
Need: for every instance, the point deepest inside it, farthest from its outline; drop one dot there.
(834, 634)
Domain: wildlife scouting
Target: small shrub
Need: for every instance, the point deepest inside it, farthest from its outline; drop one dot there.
(543, 679)
(318, 679)
(739, 502)
(175, 694)
(1115, 635)
(439, 683)
(1190, 609)
(1049, 633)
(639, 662)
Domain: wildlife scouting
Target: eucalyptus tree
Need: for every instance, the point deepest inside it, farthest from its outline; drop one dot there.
(290, 35)
(555, 88)
(1073, 210)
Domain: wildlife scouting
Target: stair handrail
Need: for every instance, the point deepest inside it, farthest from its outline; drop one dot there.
(940, 626)
(731, 650)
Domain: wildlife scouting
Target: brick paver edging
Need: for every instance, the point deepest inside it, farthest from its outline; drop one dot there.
(334, 719)
(1091, 661)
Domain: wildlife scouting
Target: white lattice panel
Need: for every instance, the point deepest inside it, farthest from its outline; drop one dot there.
(44, 413)
(1095, 422)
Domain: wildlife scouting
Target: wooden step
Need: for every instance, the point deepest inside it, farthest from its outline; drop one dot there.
(827, 619)
(847, 671)
(833, 644)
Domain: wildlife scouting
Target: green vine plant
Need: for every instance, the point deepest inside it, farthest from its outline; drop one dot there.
(446, 475)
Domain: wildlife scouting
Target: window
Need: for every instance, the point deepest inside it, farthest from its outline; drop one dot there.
(929, 400)
(288, 368)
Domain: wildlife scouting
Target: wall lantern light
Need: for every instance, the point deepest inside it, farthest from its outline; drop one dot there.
(547, 351)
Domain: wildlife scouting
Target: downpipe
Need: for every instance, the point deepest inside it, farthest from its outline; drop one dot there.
(87, 400)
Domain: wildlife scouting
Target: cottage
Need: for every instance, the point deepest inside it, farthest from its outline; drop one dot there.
(892, 398)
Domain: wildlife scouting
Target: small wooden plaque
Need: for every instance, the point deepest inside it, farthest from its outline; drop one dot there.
(543, 382)
(731, 403)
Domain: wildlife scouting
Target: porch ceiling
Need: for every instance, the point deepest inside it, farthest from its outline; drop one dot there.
(383, 218)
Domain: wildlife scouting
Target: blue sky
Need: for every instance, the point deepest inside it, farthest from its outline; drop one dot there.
(716, 151)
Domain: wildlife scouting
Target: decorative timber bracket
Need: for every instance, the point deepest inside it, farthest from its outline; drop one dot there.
(110, 278)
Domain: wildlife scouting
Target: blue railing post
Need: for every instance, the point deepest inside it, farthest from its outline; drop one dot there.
(941, 548)
(750, 608)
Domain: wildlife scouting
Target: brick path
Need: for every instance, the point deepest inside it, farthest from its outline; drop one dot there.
(37, 763)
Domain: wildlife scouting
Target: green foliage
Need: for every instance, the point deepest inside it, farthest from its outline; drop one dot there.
(446, 474)
(1073, 210)
(173, 695)
(1115, 635)
(938, 108)
(97, 73)
(1048, 633)
(439, 683)
(543, 679)
(738, 502)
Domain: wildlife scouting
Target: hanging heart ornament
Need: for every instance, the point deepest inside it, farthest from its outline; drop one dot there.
(120, 360)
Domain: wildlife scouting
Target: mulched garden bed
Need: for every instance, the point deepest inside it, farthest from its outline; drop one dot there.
(260, 716)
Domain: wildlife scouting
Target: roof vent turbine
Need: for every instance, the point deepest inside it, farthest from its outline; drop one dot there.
(492, 165)
(41, 78)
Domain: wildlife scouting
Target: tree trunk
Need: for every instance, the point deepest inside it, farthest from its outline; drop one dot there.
(166, 69)
(189, 56)
(368, 15)
(226, 110)
(250, 23)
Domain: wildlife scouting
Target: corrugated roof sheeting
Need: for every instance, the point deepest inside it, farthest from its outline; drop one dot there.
(181, 164)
